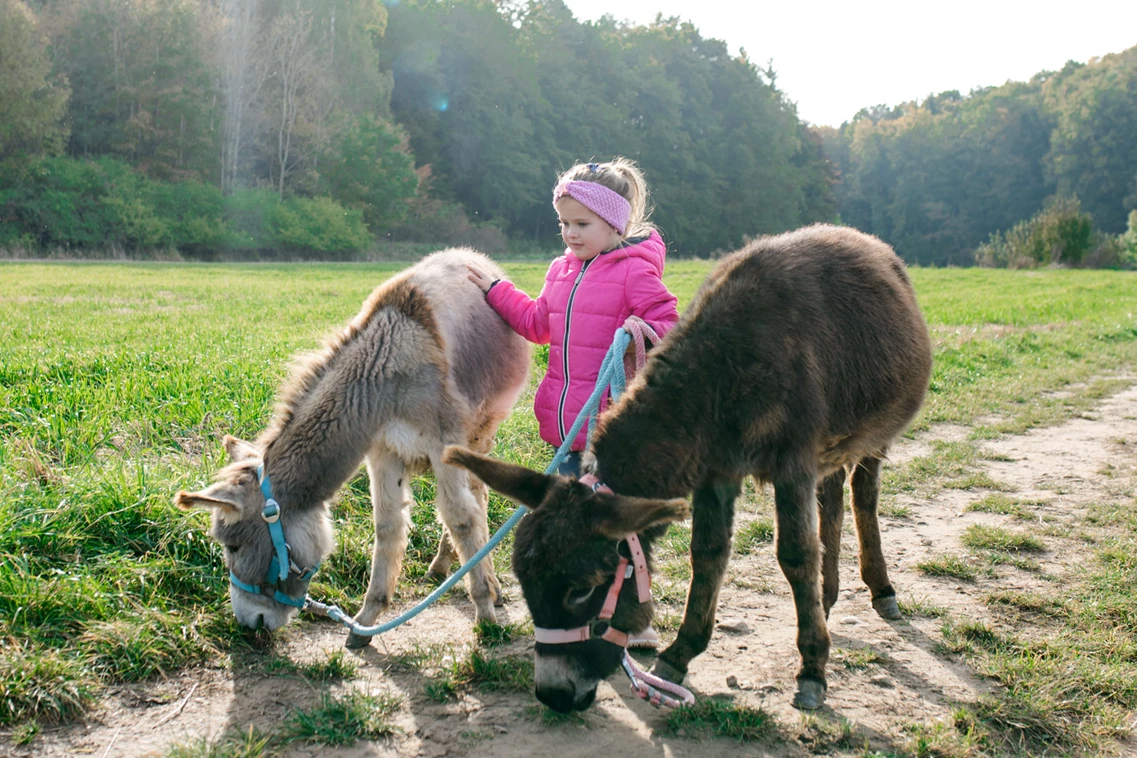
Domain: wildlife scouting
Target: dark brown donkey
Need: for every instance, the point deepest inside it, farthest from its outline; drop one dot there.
(800, 360)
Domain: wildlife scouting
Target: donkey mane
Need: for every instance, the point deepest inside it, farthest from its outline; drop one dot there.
(398, 294)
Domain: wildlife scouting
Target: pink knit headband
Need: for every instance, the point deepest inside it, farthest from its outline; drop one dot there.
(608, 205)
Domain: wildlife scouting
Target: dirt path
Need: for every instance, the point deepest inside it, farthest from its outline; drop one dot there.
(901, 680)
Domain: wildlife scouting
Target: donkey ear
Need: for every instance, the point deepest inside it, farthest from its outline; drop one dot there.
(239, 449)
(614, 516)
(228, 510)
(515, 482)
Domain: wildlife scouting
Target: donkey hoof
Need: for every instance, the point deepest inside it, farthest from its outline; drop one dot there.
(485, 614)
(434, 578)
(887, 608)
(356, 641)
(495, 590)
(810, 695)
(665, 670)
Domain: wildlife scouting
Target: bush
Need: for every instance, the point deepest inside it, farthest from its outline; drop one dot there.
(370, 169)
(434, 221)
(318, 225)
(1059, 235)
(93, 205)
(257, 221)
(85, 206)
(61, 202)
(249, 218)
(193, 213)
(1127, 243)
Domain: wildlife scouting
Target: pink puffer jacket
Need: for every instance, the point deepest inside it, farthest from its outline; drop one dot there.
(579, 309)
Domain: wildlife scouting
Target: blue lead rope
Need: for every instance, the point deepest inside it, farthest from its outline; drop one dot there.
(611, 375)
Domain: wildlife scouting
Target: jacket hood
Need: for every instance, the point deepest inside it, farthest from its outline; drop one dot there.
(649, 248)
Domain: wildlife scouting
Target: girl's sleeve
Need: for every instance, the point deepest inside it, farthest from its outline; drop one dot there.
(527, 316)
(649, 299)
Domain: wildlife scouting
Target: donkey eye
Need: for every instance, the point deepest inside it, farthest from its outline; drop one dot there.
(232, 548)
(580, 594)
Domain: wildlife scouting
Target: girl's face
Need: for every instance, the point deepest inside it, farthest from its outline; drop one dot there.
(585, 233)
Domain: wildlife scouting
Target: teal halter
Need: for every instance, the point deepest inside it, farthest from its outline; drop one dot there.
(281, 566)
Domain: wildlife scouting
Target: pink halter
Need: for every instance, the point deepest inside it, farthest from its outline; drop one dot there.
(600, 626)
(646, 686)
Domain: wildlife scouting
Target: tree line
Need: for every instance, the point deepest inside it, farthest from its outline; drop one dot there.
(943, 177)
(419, 120)
(325, 127)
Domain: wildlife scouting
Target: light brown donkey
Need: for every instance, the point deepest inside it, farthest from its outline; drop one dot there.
(425, 364)
(798, 362)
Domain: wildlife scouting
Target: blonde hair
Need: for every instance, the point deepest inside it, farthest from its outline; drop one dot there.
(624, 177)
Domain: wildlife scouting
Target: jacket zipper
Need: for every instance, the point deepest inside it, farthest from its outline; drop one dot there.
(565, 351)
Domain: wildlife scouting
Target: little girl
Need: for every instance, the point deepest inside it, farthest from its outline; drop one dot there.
(611, 270)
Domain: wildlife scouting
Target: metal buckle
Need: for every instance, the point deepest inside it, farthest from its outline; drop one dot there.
(271, 512)
(598, 627)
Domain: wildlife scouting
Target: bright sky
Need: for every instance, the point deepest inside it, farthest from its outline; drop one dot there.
(834, 58)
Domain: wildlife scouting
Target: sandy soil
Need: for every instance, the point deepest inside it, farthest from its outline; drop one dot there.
(1090, 459)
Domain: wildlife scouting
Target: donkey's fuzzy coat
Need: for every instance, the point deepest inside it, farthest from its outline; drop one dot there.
(426, 363)
(801, 358)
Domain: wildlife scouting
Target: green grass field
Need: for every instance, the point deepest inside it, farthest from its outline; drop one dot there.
(117, 382)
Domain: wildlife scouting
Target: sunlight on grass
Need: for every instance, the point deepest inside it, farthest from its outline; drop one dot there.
(948, 566)
(1003, 505)
(335, 667)
(343, 720)
(922, 607)
(752, 534)
(482, 672)
(720, 716)
(859, 658)
(982, 537)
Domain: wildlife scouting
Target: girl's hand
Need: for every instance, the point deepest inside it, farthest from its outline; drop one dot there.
(480, 278)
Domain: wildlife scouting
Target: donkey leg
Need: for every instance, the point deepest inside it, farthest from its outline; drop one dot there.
(712, 516)
(799, 555)
(482, 496)
(466, 521)
(443, 559)
(831, 508)
(866, 495)
(389, 499)
(481, 440)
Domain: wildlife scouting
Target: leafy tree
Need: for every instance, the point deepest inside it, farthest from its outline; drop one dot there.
(497, 99)
(351, 34)
(370, 170)
(32, 99)
(293, 101)
(467, 94)
(143, 82)
(937, 178)
(1093, 149)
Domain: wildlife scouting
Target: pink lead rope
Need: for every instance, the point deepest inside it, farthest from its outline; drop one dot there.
(640, 333)
(653, 689)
